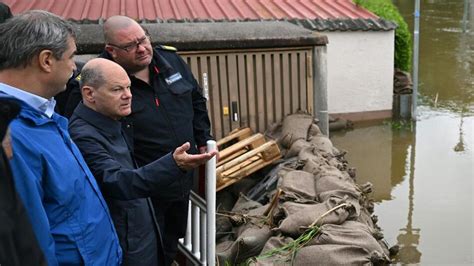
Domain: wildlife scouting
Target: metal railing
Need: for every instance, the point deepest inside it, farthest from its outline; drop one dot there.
(199, 243)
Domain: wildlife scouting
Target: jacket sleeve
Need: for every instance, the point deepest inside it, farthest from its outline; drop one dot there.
(27, 169)
(161, 179)
(201, 122)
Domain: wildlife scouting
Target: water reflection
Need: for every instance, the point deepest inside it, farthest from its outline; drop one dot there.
(428, 165)
(409, 237)
(420, 166)
(446, 54)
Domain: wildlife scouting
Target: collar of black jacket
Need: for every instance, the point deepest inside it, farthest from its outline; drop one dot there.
(105, 124)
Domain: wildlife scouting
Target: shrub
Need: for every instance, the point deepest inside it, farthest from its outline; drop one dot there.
(387, 10)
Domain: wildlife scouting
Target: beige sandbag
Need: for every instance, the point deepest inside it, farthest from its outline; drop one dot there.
(294, 127)
(336, 255)
(330, 178)
(273, 243)
(247, 245)
(299, 182)
(296, 147)
(244, 204)
(322, 143)
(349, 233)
(297, 222)
(346, 196)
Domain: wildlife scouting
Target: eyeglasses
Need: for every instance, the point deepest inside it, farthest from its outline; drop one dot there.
(133, 46)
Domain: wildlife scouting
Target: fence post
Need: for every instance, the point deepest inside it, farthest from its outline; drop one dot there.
(211, 205)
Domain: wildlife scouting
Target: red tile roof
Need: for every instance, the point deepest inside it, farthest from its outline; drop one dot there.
(196, 9)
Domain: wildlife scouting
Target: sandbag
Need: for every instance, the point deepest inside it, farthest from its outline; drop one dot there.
(349, 233)
(299, 182)
(256, 218)
(331, 178)
(296, 147)
(248, 244)
(223, 227)
(300, 217)
(244, 204)
(273, 242)
(322, 143)
(336, 255)
(314, 130)
(294, 127)
(347, 196)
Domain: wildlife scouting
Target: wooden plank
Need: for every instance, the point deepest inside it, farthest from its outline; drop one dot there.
(269, 93)
(205, 72)
(294, 82)
(272, 152)
(233, 90)
(193, 65)
(242, 87)
(309, 81)
(252, 105)
(277, 82)
(231, 157)
(302, 80)
(238, 133)
(214, 97)
(224, 90)
(260, 93)
(236, 168)
(242, 158)
(285, 70)
(253, 141)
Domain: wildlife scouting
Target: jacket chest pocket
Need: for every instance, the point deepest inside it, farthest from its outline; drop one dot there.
(177, 85)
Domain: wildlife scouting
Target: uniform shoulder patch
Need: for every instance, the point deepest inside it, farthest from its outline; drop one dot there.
(78, 78)
(167, 48)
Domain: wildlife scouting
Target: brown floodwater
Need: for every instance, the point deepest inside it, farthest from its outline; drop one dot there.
(423, 172)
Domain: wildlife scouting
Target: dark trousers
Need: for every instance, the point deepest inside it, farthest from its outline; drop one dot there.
(172, 218)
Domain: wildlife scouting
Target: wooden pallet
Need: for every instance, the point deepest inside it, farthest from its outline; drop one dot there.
(243, 153)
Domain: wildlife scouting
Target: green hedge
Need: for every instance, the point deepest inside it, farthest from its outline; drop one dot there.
(387, 10)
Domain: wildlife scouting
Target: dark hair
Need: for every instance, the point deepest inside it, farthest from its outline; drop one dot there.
(24, 36)
(5, 12)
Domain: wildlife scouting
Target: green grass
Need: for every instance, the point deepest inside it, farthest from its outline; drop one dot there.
(387, 10)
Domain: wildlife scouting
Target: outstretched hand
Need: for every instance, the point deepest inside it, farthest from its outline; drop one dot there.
(187, 161)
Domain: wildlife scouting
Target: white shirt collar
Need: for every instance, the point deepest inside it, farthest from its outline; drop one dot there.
(39, 103)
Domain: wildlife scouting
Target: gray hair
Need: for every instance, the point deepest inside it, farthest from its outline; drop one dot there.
(92, 76)
(24, 36)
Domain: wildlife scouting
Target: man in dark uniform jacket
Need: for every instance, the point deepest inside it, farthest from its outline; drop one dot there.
(96, 129)
(168, 109)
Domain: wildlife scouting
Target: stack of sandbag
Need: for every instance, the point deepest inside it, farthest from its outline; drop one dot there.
(319, 192)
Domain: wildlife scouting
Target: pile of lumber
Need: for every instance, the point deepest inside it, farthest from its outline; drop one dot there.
(242, 153)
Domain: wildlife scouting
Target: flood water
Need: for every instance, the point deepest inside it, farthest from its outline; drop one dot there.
(423, 172)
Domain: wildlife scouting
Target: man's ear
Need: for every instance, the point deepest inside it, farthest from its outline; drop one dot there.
(110, 50)
(87, 94)
(45, 60)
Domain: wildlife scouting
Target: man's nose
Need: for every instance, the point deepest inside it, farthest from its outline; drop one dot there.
(127, 94)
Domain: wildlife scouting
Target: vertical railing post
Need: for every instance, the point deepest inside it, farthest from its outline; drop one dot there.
(187, 237)
(203, 238)
(195, 230)
(211, 204)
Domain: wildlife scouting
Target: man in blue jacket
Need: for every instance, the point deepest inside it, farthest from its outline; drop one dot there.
(70, 217)
(96, 128)
(168, 109)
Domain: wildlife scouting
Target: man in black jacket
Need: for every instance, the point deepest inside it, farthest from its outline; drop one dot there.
(168, 108)
(96, 129)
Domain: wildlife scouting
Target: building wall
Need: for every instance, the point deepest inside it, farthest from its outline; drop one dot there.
(360, 73)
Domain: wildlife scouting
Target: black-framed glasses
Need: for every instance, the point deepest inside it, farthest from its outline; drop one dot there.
(133, 46)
